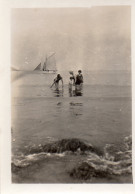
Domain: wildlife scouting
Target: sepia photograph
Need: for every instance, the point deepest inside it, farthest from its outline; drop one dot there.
(71, 99)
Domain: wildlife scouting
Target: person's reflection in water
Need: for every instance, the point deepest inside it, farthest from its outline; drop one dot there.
(71, 91)
(76, 109)
(79, 90)
(58, 93)
(76, 90)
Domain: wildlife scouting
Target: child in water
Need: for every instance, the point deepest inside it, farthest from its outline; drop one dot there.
(72, 77)
(71, 80)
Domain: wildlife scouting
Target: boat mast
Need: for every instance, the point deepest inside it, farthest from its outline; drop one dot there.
(46, 61)
(44, 66)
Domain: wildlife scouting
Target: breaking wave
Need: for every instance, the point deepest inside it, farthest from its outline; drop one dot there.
(112, 160)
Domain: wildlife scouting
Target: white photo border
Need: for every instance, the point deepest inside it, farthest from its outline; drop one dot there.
(5, 99)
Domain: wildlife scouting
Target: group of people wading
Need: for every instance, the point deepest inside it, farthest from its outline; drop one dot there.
(73, 80)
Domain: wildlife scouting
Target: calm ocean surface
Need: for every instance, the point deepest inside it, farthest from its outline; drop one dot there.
(99, 114)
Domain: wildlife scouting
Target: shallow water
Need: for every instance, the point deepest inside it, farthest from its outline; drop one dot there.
(99, 114)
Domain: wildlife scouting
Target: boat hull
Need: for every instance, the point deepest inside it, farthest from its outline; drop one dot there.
(47, 72)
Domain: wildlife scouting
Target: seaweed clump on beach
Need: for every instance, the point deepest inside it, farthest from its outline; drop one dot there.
(15, 168)
(63, 145)
(85, 171)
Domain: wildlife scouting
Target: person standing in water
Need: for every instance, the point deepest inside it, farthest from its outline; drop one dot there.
(79, 84)
(72, 78)
(56, 81)
(79, 78)
(71, 83)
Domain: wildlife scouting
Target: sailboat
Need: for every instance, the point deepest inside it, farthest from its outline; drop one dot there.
(49, 66)
(14, 68)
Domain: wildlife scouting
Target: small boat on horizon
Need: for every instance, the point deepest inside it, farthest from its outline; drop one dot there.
(49, 66)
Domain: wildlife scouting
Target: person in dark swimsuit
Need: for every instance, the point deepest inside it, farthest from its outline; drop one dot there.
(79, 78)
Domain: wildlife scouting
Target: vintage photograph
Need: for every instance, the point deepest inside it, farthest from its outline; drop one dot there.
(71, 100)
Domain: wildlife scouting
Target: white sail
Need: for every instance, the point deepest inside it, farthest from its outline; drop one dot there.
(48, 66)
(38, 67)
(50, 63)
(14, 68)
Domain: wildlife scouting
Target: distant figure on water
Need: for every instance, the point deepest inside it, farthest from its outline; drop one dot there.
(79, 78)
(56, 81)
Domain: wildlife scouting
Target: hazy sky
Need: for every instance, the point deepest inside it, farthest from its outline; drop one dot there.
(87, 38)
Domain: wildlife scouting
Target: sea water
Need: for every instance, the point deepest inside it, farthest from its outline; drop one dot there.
(99, 114)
